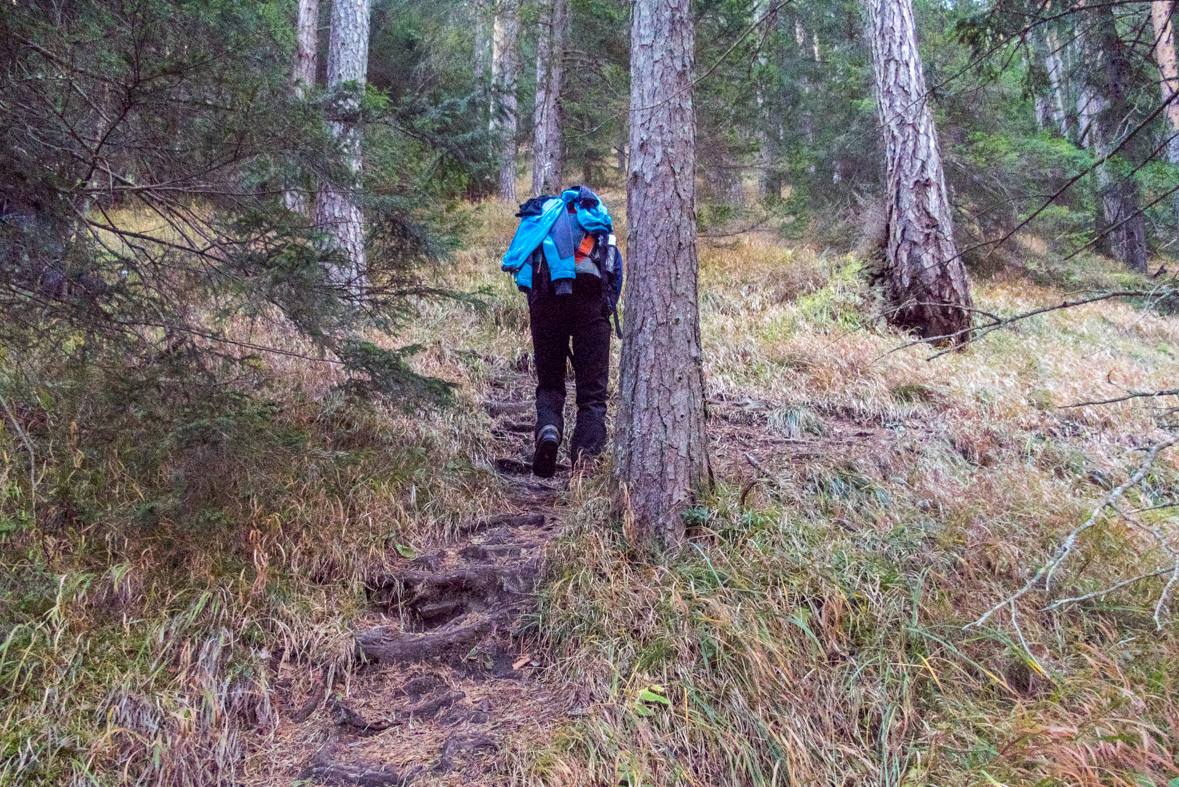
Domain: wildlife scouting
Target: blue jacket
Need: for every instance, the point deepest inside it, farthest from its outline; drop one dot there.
(556, 236)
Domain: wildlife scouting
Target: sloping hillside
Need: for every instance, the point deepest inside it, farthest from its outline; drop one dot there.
(194, 611)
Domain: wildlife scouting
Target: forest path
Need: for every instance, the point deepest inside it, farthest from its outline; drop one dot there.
(450, 679)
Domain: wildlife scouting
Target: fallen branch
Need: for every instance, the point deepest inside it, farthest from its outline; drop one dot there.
(1046, 571)
(975, 332)
(1129, 395)
(1106, 591)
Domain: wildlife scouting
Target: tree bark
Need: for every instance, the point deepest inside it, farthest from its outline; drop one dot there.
(550, 72)
(303, 77)
(766, 154)
(1164, 47)
(1056, 82)
(307, 43)
(660, 438)
(1109, 104)
(925, 280)
(504, 63)
(807, 120)
(338, 211)
(724, 182)
(482, 43)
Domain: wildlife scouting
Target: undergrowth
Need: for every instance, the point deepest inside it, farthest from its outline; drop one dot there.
(198, 548)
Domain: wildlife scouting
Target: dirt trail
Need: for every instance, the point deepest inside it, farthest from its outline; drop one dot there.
(450, 682)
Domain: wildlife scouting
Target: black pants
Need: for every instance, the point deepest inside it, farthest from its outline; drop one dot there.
(579, 319)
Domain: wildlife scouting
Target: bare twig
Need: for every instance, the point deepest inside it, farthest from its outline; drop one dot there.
(1161, 538)
(1022, 641)
(1130, 395)
(757, 465)
(1162, 602)
(1105, 591)
(1046, 571)
(979, 331)
(976, 332)
(1155, 508)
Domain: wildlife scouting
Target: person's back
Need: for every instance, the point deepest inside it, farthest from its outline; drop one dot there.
(565, 259)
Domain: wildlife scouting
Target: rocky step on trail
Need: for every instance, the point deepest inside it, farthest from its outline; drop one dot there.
(448, 679)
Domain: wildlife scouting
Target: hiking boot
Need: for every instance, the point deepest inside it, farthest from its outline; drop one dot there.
(544, 461)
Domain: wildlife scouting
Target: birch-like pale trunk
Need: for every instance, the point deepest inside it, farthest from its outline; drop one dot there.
(1057, 84)
(662, 449)
(807, 120)
(1108, 103)
(1164, 49)
(338, 210)
(765, 153)
(307, 42)
(1043, 101)
(303, 78)
(925, 280)
(550, 74)
(482, 42)
(504, 65)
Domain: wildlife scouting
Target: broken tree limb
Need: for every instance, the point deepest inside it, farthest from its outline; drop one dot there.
(1046, 571)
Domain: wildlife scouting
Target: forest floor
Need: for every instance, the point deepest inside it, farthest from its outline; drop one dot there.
(870, 503)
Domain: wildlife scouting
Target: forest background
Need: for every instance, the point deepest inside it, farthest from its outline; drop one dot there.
(219, 427)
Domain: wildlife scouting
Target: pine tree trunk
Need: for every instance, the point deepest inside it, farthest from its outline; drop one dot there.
(303, 77)
(1164, 37)
(662, 459)
(925, 280)
(504, 62)
(338, 211)
(550, 71)
(1110, 103)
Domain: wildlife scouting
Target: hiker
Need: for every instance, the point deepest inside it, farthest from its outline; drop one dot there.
(565, 259)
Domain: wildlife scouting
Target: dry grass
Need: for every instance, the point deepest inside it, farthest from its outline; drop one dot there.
(810, 634)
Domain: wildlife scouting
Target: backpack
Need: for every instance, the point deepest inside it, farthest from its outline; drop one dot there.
(563, 242)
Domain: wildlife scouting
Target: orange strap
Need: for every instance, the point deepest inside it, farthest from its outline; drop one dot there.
(583, 251)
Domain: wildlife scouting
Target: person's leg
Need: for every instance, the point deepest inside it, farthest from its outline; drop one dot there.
(550, 345)
(591, 366)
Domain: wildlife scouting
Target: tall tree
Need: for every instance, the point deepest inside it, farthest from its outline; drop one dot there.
(1110, 105)
(504, 65)
(925, 280)
(337, 210)
(661, 442)
(1164, 48)
(550, 71)
(303, 74)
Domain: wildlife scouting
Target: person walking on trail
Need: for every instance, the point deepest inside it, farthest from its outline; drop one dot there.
(565, 259)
